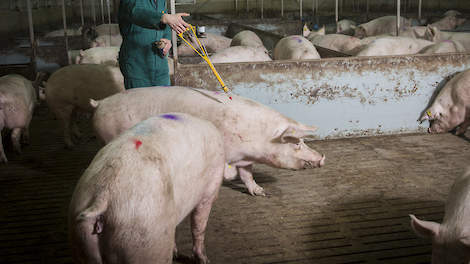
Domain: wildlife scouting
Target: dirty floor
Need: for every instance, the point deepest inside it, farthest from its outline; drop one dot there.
(353, 210)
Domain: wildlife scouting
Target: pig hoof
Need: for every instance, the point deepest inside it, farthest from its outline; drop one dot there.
(175, 252)
(257, 191)
(3, 160)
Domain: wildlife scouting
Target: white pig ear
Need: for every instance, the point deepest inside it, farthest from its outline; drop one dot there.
(305, 31)
(293, 134)
(425, 229)
(322, 30)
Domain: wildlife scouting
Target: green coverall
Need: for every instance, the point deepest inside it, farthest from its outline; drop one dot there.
(140, 26)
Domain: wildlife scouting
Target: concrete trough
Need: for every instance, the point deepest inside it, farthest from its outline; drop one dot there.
(344, 97)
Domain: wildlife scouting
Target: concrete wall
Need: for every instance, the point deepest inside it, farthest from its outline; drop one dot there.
(342, 96)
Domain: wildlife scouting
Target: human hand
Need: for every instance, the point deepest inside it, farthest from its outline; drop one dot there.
(175, 22)
(167, 46)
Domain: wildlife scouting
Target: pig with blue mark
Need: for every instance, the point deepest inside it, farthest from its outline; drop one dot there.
(252, 132)
(451, 238)
(140, 186)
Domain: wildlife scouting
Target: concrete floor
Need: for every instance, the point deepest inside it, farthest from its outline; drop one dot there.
(353, 210)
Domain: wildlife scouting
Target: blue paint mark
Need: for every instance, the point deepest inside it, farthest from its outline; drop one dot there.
(298, 39)
(169, 116)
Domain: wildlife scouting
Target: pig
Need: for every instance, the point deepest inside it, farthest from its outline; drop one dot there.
(139, 187)
(247, 38)
(69, 89)
(451, 239)
(415, 32)
(240, 54)
(381, 25)
(107, 41)
(446, 46)
(99, 55)
(450, 21)
(393, 46)
(451, 107)
(107, 29)
(60, 33)
(212, 42)
(345, 24)
(252, 132)
(295, 48)
(337, 42)
(18, 99)
(462, 37)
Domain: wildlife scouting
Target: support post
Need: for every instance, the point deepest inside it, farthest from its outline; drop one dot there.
(336, 15)
(419, 10)
(31, 37)
(247, 6)
(367, 9)
(398, 17)
(236, 6)
(81, 13)
(93, 11)
(64, 19)
(300, 9)
(282, 8)
(174, 43)
(102, 12)
(262, 7)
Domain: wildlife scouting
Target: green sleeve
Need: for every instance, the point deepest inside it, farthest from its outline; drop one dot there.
(138, 12)
(167, 33)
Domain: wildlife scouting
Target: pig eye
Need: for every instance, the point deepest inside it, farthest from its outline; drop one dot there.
(297, 146)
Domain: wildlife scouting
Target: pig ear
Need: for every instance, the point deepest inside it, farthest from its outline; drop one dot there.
(322, 30)
(305, 31)
(293, 134)
(425, 229)
(465, 237)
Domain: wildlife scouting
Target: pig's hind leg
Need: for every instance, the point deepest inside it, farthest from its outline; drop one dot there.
(3, 158)
(15, 139)
(463, 128)
(64, 114)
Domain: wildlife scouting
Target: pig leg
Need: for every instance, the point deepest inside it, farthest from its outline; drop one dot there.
(199, 218)
(15, 139)
(463, 128)
(65, 116)
(246, 176)
(25, 136)
(3, 158)
(76, 131)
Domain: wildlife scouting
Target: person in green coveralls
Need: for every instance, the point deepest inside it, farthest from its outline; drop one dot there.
(142, 23)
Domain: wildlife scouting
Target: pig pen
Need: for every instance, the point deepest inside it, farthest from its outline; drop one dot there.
(353, 210)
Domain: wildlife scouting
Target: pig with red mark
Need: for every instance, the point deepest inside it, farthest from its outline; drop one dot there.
(451, 238)
(295, 48)
(140, 186)
(451, 107)
(69, 89)
(252, 132)
(18, 98)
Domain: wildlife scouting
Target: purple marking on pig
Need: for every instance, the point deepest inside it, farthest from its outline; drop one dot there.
(216, 92)
(170, 116)
(447, 40)
(298, 39)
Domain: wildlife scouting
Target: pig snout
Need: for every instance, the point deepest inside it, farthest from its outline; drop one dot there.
(310, 164)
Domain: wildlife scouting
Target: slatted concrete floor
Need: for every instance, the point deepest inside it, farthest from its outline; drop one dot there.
(354, 210)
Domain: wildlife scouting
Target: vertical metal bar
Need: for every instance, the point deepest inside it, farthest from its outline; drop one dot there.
(109, 21)
(419, 10)
(282, 8)
(236, 6)
(367, 9)
(262, 7)
(173, 38)
(93, 11)
(398, 17)
(247, 6)
(336, 15)
(64, 18)
(102, 12)
(31, 37)
(300, 9)
(313, 8)
(81, 12)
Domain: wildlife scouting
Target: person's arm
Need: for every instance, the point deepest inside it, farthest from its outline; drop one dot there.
(136, 12)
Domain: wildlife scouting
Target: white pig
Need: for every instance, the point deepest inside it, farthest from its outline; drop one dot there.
(446, 46)
(295, 48)
(338, 42)
(451, 107)
(212, 42)
(450, 21)
(99, 55)
(451, 239)
(60, 32)
(346, 24)
(438, 35)
(247, 38)
(140, 186)
(240, 54)
(394, 46)
(253, 133)
(17, 101)
(381, 25)
(107, 41)
(69, 89)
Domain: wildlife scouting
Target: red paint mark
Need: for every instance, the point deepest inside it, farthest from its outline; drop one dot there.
(230, 98)
(138, 143)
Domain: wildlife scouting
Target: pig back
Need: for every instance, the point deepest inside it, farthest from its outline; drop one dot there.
(76, 84)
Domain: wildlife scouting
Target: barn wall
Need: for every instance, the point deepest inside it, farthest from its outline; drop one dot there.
(343, 97)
